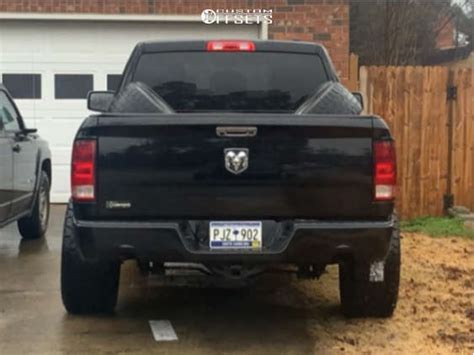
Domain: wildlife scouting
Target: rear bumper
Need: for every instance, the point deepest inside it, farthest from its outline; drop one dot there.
(299, 242)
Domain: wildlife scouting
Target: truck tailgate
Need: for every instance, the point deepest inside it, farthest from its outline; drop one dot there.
(173, 166)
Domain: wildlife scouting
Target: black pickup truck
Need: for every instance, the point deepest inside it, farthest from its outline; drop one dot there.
(25, 172)
(239, 157)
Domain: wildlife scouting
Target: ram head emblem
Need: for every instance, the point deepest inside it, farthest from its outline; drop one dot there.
(236, 160)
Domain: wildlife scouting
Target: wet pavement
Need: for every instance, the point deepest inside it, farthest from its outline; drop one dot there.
(32, 317)
(278, 315)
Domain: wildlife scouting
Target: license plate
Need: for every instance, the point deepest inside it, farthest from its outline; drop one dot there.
(235, 235)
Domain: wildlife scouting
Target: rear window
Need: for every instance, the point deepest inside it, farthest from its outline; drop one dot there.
(243, 81)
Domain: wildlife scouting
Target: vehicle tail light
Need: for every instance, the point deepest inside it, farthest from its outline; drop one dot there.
(230, 46)
(83, 170)
(385, 170)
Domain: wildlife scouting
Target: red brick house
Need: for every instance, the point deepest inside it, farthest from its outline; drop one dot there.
(446, 35)
(55, 51)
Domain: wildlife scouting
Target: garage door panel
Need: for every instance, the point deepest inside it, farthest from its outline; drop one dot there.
(62, 155)
(60, 184)
(96, 48)
(59, 132)
(82, 38)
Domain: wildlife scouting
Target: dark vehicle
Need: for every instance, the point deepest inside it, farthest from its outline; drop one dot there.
(25, 172)
(234, 158)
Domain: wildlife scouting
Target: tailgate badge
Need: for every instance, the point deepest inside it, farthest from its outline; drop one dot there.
(117, 205)
(236, 160)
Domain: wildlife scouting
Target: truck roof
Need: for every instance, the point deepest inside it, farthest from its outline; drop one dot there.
(260, 45)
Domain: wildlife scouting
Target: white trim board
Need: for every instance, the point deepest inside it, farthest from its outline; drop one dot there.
(60, 16)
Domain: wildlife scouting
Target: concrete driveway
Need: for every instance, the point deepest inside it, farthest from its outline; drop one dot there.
(32, 317)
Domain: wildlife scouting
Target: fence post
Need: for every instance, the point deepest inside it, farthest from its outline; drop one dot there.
(363, 88)
(353, 72)
(448, 199)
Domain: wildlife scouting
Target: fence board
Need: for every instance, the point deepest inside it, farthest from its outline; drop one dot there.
(413, 102)
(463, 139)
(353, 82)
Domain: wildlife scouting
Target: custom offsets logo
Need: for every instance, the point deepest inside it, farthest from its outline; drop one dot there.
(236, 16)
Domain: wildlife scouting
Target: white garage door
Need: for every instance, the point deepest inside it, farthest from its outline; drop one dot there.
(51, 65)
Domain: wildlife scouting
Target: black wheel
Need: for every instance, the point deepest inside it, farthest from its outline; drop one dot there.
(362, 298)
(331, 98)
(138, 97)
(35, 225)
(87, 286)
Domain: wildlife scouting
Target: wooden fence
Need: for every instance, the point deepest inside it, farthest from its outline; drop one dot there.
(353, 79)
(434, 133)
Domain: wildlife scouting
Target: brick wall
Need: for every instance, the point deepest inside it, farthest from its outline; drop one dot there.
(446, 35)
(322, 21)
(325, 22)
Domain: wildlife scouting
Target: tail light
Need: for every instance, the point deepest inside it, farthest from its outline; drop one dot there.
(385, 170)
(83, 170)
(230, 46)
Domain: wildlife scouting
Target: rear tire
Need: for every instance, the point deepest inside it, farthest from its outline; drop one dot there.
(138, 97)
(86, 286)
(362, 298)
(35, 225)
(331, 98)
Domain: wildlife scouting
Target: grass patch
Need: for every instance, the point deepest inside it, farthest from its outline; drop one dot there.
(438, 227)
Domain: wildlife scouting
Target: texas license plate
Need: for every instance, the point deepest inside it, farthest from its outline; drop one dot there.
(235, 235)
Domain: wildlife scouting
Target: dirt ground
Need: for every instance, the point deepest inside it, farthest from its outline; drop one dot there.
(435, 313)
